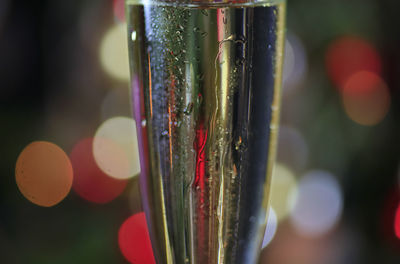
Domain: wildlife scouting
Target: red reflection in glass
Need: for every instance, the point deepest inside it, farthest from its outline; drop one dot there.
(134, 240)
(347, 55)
(90, 182)
(119, 10)
(366, 98)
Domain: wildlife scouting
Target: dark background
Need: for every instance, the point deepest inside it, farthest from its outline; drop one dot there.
(52, 86)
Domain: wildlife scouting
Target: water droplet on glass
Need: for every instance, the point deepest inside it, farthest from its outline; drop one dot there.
(238, 143)
(133, 35)
(204, 12)
(199, 98)
(204, 34)
(240, 61)
(188, 109)
(164, 133)
(144, 123)
(196, 29)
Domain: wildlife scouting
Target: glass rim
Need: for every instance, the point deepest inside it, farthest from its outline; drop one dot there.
(205, 3)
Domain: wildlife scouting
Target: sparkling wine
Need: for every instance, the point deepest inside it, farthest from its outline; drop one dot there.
(206, 85)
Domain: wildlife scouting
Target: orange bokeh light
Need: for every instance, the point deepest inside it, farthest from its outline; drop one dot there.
(348, 55)
(44, 173)
(134, 240)
(90, 182)
(366, 98)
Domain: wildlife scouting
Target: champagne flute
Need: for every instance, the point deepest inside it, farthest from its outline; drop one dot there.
(206, 78)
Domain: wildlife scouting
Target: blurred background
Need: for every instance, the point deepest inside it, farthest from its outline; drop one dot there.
(64, 90)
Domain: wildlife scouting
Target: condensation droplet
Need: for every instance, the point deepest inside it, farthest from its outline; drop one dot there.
(204, 12)
(133, 35)
(188, 109)
(238, 143)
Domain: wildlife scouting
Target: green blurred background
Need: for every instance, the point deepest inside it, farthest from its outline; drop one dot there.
(337, 174)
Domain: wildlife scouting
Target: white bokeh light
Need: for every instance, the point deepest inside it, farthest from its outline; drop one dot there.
(318, 204)
(295, 63)
(114, 52)
(115, 148)
(282, 184)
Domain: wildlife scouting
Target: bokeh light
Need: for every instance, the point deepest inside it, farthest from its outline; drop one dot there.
(295, 63)
(114, 52)
(292, 148)
(397, 222)
(366, 98)
(116, 103)
(347, 55)
(44, 173)
(115, 148)
(389, 214)
(318, 204)
(90, 182)
(283, 183)
(270, 230)
(119, 10)
(134, 240)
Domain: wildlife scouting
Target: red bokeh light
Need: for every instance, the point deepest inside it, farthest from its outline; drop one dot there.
(366, 98)
(390, 218)
(397, 222)
(119, 10)
(348, 55)
(90, 182)
(134, 240)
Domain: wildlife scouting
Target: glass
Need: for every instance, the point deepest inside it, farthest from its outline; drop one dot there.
(206, 80)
